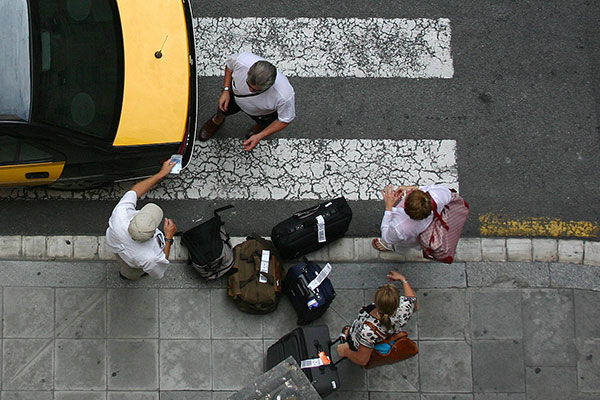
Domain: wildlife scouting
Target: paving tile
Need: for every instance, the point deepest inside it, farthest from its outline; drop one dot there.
(499, 396)
(80, 313)
(104, 253)
(281, 321)
(498, 366)
(496, 314)
(59, 247)
(132, 364)
(53, 273)
(518, 249)
(319, 255)
(341, 250)
(80, 395)
(352, 377)
(85, 247)
(346, 395)
(587, 314)
(588, 365)
(228, 322)
(343, 310)
(575, 276)
(80, 364)
(228, 373)
(551, 383)
(191, 395)
(184, 313)
(28, 312)
(446, 396)
(443, 314)
(27, 364)
(445, 366)
(508, 274)
(399, 377)
(364, 250)
(468, 249)
(133, 396)
(10, 247)
(544, 250)
(28, 395)
(591, 253)
(132, 313)
(216, 395)
(570, 251)
(34, 247)
(493, 249)
(185, 365)
(548, 328)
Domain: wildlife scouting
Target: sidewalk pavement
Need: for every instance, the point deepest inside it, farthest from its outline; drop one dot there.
(511, 330)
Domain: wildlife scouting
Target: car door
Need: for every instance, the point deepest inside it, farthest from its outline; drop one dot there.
(23, 164)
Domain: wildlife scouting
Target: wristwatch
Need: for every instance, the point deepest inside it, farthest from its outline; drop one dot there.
(169, 240)
(403, 281)
(225, 89)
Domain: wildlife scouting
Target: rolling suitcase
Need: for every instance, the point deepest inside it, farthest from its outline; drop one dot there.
(309, 290)
(311, 348)
(309, 230)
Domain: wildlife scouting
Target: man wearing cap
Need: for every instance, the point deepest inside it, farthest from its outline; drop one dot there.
(140, 247)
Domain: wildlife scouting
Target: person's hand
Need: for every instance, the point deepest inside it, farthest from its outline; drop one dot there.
(395, 276)
(224, 100)
(390, 196)
(342, 350)
(169, 228)
(250, 143)
(167, 166)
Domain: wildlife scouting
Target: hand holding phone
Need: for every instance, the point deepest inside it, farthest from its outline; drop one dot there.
(177, 167)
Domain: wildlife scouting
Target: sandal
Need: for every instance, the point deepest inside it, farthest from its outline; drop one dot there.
(209, 128)
(380, 245)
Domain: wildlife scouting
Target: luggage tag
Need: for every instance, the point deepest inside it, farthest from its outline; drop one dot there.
(315, 283)
(315, 362)
(264, 266)
(321, 229)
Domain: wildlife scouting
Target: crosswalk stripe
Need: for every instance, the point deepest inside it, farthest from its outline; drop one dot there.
(330, 47)
(292, 169)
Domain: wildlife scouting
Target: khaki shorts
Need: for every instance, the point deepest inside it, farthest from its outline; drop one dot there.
(128, 272)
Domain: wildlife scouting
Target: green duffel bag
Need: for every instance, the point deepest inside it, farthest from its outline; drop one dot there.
(255, 290)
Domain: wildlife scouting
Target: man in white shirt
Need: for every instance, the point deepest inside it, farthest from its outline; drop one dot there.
(140, 247)
(254, 86)
(403, 222)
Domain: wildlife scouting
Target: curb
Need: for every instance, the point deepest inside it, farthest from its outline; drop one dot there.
(17, 247)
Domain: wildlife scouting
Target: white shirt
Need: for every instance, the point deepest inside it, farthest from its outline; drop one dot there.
(398, 227)
(147, 255)
(279, 97)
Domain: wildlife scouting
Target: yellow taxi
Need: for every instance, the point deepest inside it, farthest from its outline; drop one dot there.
(94, 91)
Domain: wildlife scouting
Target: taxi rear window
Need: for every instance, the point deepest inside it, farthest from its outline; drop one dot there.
(77, 56)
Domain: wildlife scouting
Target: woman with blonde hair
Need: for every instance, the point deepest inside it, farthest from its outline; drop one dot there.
(388, 313)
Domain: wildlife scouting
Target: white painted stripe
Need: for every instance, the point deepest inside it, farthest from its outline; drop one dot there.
(292, 169)
(330, 47)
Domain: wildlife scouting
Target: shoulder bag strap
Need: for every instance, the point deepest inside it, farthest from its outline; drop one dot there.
(376, 330)
(436, 215)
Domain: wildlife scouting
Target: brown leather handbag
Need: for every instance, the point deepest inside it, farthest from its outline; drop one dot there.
(401, 348)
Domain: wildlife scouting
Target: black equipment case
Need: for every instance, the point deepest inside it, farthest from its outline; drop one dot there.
(306, 343)
(299, 234)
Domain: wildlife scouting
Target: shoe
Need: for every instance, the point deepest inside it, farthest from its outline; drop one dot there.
(209, 128)
(254, 130)
(127, 279)
(380, 245)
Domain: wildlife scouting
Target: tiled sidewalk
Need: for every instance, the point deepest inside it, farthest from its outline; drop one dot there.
(513, 331)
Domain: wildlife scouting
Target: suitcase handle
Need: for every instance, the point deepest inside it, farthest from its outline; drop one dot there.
(340, 339)
(307, 212)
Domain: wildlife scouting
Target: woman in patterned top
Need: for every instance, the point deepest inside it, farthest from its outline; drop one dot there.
(389, 313)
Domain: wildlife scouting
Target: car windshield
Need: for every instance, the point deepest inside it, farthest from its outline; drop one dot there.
(77, 59)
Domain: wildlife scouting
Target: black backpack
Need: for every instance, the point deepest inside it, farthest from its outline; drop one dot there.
(209, 248)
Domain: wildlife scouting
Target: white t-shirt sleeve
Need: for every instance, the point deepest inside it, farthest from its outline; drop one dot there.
(231, 60)
(157, 267)
(286, 110)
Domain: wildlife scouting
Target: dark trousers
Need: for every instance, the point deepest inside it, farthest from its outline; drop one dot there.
(262, 120)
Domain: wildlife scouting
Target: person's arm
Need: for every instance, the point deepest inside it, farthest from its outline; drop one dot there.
(169, 229)
(142, 187)
(272, 128)
(408, 291)
(225, 94)
(360, 357)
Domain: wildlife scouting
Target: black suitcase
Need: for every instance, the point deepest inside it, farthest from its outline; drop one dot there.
(306, 343)
(309, 304)
(299, 234)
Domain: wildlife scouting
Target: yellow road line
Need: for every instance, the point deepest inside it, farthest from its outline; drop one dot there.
(494, 225)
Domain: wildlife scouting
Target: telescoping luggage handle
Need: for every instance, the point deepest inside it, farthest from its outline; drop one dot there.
(322, 360)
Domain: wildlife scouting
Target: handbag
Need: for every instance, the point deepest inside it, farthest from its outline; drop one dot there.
(401, 348)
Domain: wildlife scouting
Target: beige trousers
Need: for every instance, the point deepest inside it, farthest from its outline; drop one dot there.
(128, 272)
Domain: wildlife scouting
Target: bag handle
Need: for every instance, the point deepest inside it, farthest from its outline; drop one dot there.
(218, 210)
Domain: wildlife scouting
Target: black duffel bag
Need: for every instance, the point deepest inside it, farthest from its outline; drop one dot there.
(309, 230)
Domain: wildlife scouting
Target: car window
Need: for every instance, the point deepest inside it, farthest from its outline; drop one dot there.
(77, 65)
(14, 151)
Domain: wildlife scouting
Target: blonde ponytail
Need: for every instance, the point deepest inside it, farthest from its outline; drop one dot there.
(386, 301)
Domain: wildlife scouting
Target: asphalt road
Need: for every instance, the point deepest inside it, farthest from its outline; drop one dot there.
(522, 106)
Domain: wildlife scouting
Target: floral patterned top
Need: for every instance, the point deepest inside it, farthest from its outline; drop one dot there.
(362, 334)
